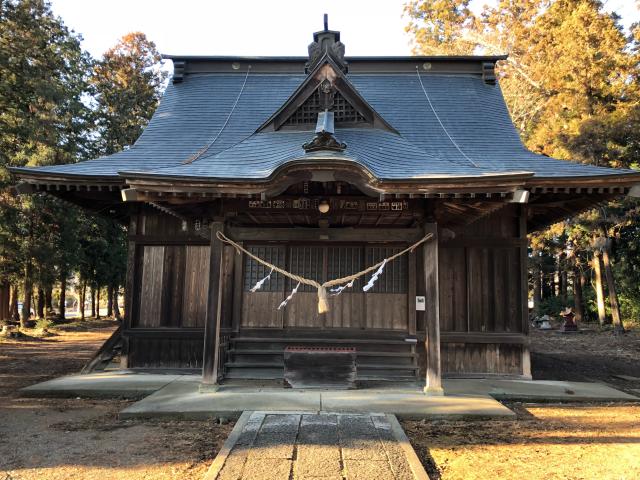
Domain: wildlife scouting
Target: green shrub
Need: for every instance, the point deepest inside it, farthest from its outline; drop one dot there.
(44, 324)
(552, 306)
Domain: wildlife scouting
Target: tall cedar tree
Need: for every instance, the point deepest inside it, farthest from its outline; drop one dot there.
(43, 121)
(127, 84)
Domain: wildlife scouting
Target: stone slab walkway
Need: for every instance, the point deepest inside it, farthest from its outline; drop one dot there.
(328, 446)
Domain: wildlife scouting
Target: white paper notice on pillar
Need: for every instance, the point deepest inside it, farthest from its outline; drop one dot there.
(421, 303)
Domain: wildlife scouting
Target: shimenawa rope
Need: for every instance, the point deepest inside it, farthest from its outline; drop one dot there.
(323, 306)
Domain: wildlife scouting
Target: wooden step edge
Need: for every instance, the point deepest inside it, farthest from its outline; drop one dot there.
(281, 365)
(358, 353)
(253, 365)
(387, 367)
(319, 340)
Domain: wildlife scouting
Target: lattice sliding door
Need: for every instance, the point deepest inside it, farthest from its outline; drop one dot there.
(383, 307)
(260, 309)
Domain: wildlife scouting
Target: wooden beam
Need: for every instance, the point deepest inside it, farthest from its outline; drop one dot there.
(214, 310)
(487, 337)
(433, 385)
(326, 234)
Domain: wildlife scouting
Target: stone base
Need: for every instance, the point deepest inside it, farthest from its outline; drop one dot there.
(433, 391)
(208, 387)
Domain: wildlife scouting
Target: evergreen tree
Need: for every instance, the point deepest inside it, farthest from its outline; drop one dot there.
(571, 84)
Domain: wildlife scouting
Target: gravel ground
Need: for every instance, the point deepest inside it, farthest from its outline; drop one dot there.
(80, 438)
(547, 441)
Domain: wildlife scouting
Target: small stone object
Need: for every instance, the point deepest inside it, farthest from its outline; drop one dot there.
(544, 324)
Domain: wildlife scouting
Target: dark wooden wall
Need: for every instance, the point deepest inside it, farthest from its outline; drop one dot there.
(483, 296)
(169, 272)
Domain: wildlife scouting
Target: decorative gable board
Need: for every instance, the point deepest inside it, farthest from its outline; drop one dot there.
(325, 88)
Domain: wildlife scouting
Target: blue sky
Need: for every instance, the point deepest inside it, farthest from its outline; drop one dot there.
(250, 27)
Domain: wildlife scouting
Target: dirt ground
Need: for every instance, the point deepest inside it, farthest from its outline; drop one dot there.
(549, 441)
(83, 439)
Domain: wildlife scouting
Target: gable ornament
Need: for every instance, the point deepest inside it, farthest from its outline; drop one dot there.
(324, 139)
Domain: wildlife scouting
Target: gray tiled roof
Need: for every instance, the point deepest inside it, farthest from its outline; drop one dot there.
(192, 113)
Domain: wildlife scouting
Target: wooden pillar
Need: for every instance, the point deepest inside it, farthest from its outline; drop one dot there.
(433, 385)
(214, 310)
(130, 298)
(524, 290)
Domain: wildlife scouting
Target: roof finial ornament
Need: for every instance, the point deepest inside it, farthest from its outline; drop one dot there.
(326, 42)
(324, 139)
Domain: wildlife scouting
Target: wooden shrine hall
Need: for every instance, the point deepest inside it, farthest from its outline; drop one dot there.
(324, 166)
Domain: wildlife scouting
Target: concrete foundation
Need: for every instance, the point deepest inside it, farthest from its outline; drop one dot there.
(179, 396)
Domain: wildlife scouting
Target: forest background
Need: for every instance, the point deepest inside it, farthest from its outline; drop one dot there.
(571, 83)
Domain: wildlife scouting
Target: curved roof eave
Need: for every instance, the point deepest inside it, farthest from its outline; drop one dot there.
(331, 164)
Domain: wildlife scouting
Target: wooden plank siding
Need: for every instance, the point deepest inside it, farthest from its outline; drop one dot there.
(482, 293)
(173, 286)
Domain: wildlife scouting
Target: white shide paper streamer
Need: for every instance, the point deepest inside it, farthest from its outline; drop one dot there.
(286, 300)
(375, 276)
(259, 284)
(338, 290)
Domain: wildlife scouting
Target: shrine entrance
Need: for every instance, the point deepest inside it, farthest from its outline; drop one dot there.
(384, 307)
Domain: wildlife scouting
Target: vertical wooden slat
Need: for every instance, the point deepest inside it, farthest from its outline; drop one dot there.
(151, 289)
(433, 384)
(212, 325)
(238, 273)
(196, 285)
(227, 282)
(411, 293)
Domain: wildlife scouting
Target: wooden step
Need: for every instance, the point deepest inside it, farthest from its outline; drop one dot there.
(359, 353)
(261, 357)
(329, 340)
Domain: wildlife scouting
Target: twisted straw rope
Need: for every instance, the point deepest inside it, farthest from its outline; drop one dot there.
(323, 306)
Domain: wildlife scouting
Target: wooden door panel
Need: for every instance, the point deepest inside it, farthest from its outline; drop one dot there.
(347, 310)
(260, 309)
(386, 311)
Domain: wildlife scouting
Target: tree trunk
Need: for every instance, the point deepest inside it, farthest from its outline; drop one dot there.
(578, 303)
(116, 307)
(93, 301)
(40, 303)
(48, 301)
(28, 292)
(97, 315)
(537, 285)
(110, 301)
(5, 297)
(83, 298)
(14, 314)
(63, 295)
(597, 272)
(563, 284)
(618, 328)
